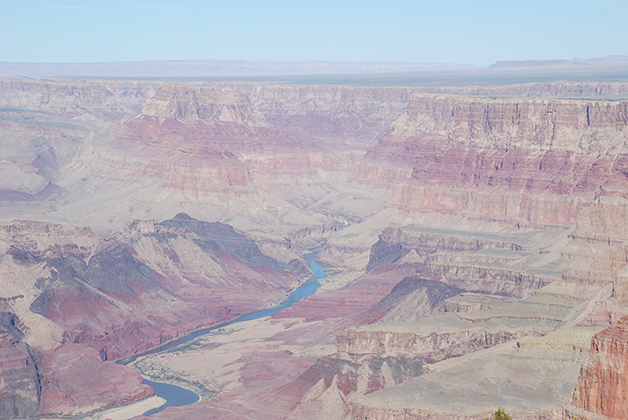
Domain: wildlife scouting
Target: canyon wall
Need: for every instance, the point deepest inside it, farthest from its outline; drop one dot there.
(534, 161)
(602, 385)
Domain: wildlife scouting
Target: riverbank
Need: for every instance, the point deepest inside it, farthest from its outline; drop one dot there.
(176, 395)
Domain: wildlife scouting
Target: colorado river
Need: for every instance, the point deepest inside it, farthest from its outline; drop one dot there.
(178, 396)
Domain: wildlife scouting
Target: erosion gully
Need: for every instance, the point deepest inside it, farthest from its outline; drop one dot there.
(178, 396)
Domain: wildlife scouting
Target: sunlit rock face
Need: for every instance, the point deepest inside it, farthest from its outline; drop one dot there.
(602, 385)
(535, 161)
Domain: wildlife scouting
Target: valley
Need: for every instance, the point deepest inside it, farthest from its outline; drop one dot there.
(472, 242)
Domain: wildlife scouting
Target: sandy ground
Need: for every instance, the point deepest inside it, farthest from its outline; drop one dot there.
(129, 411)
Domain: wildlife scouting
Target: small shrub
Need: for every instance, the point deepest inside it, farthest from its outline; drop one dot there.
(500, 414)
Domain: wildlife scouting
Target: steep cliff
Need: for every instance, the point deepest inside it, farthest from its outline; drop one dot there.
(602, 384)
(538, 161)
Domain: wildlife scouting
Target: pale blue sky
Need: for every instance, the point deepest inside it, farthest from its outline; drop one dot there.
(467, 32)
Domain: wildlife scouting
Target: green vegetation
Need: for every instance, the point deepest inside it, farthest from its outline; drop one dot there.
(500, 414)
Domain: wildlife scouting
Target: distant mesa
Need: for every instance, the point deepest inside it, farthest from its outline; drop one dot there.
(609, 60)
(530, 63)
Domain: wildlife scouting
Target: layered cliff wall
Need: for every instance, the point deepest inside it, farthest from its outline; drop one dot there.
(538, 161)
(603, 383)
(75, 97)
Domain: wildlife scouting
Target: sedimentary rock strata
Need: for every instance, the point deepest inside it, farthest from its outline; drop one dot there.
(475, 238)
(602, 383)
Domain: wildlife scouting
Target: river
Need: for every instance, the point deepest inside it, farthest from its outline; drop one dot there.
(178, 396)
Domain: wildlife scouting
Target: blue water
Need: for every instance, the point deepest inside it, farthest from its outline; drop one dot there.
(177, 396)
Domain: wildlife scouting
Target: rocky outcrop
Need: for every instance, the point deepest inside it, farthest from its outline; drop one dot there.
(364, 412)
(410, 300)
(354, 376)
(396, 243)
(603, 383)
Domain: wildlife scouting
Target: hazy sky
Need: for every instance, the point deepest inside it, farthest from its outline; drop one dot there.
(468, 32)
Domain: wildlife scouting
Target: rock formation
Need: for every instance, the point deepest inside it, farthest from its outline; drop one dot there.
(602, 385)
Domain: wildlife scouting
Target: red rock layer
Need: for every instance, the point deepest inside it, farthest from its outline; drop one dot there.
(205, 141)
(202, 121)
(535, 161)
(603, 384)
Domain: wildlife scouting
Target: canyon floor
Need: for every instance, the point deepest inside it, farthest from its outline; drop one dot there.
(474, 238)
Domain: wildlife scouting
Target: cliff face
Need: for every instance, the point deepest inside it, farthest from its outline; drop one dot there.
(397, 246)
(603, 385)
(532, 124)
(363, 114)
(539, 161)
(334, 113)
(104, 99)
(394, 244)
(432, 347)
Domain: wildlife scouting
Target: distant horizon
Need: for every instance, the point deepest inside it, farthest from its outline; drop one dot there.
(573, 60)
(451, 31)
(359, 73)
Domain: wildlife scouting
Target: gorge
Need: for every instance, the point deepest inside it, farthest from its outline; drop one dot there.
(474, 239)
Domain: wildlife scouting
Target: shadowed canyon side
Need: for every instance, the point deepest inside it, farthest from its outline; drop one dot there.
(474, 239)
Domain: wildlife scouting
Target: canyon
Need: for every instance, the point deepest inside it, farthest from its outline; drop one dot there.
(474, 239)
